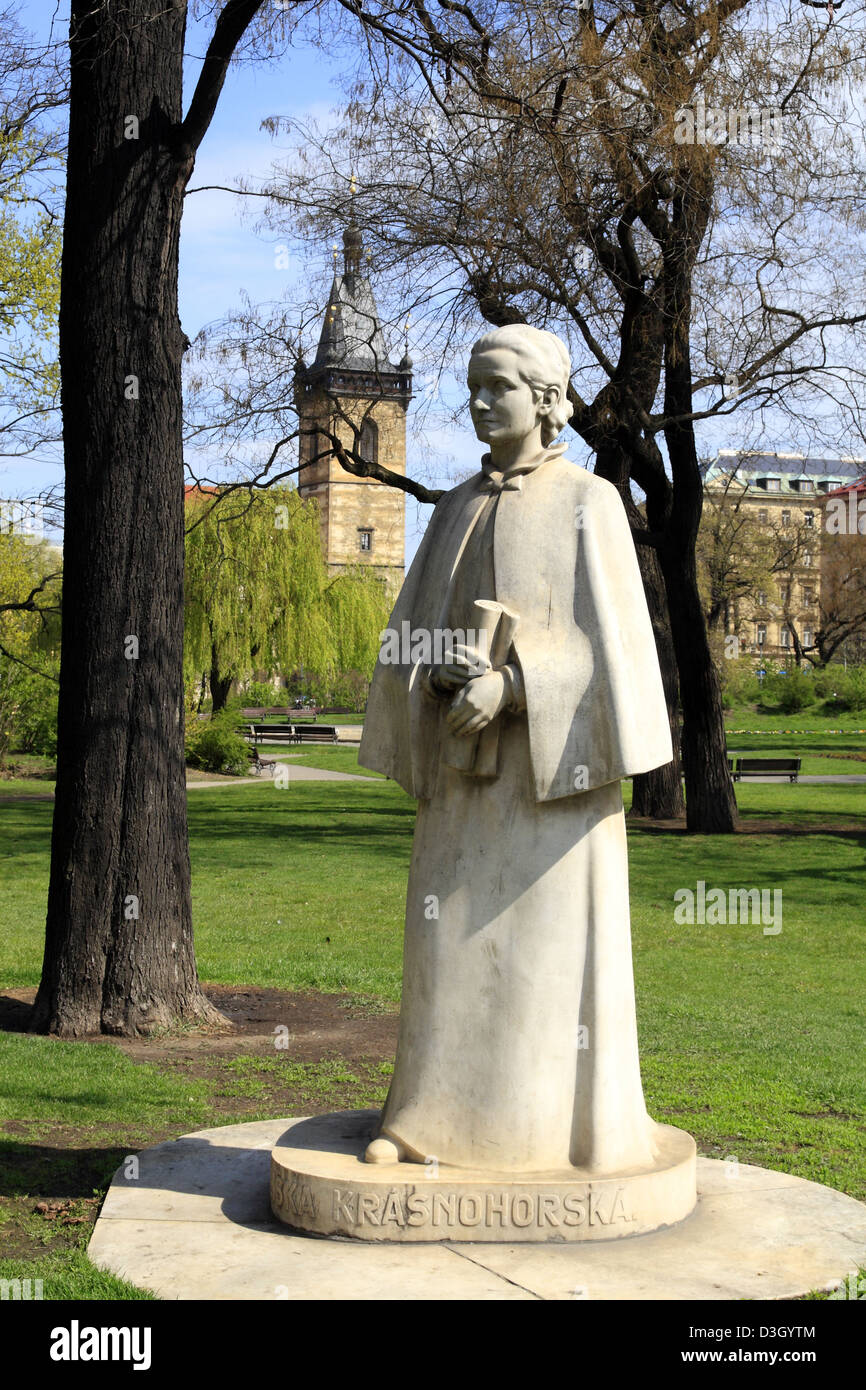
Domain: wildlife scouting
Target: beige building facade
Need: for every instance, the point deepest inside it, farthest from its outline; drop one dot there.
(353, 392)
(786, 494)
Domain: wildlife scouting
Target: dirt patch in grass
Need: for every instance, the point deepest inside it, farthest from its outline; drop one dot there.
(307, 1026)
(852, 828)
(282, 1054)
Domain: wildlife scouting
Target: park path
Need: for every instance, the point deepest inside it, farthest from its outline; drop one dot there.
(317, 774)
(296, 774)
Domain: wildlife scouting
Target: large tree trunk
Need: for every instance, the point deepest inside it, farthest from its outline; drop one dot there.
(220, 686)
(659, 794)
(119, 946)
(711, 805)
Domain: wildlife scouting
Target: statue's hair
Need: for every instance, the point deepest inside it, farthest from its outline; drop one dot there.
(542, 362)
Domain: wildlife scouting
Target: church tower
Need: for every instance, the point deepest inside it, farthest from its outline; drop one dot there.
(353, 382)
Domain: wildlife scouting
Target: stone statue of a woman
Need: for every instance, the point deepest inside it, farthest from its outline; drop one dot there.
(518, 1045)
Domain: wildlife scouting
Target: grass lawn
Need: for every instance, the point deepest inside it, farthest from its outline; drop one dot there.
(814, 717)
(753, 1043)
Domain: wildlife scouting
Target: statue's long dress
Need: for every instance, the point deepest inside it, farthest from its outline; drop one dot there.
(518, 1044)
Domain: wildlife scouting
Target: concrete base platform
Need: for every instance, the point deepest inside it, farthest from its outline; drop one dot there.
(196, 1223)
(321, 1184)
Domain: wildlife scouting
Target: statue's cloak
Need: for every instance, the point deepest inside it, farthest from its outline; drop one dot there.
(518, 1042)
(564, 561)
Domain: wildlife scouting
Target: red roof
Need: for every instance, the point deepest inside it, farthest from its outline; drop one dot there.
(858, 487)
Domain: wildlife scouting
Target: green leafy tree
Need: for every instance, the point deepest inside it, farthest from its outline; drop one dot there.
(258, 595)
(29, 606)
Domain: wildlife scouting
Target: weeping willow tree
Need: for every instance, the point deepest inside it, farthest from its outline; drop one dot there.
(258, 595)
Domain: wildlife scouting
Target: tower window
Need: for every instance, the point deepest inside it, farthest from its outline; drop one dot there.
(368, 445)
(365, 538)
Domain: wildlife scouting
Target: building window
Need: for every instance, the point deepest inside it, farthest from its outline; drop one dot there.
(774, 485)
(786, 517)
(785, 593)
(808, 597)
(808, 518)
(365, 538)
(762, 599)
(785, 637)
(368, 446)
(807, 559)
(761, 633)
(807, 637)
(762, 516)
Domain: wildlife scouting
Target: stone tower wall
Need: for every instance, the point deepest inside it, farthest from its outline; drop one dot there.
(348, 504)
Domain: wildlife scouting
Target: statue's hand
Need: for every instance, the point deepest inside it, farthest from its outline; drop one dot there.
(477, 703)
(463, 663)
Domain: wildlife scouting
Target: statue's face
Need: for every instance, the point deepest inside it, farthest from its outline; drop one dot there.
(503, 406)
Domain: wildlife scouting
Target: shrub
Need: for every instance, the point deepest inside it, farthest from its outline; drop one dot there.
(215, 745)
(789, 693)
(848, 688)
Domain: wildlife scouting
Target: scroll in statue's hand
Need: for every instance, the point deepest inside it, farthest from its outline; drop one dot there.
(462, 664)
(477, 703)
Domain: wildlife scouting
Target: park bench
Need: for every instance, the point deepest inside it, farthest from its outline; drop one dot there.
(274, 733)
(767, 767)
(315, 733)
(291, 733)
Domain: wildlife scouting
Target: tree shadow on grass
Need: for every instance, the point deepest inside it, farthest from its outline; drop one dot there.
(48, 1171)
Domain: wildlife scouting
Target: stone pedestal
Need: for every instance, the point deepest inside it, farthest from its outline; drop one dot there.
(321, 1184)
